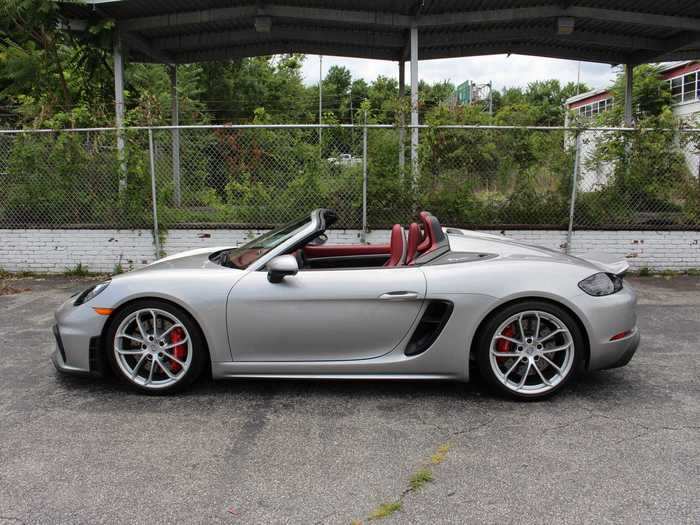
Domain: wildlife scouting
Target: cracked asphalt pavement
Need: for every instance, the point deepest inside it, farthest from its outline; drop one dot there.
(620, 446)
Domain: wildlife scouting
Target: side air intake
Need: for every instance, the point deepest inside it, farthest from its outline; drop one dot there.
(429, 327)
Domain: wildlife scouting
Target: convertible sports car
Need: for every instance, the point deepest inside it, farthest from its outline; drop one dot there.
(432, 304)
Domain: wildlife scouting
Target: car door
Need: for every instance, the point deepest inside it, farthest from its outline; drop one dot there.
(323, 315)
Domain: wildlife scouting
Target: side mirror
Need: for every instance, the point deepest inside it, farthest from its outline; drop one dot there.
(281, 266)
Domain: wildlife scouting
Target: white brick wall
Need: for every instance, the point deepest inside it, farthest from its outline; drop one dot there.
(55, 251)
(657, 250)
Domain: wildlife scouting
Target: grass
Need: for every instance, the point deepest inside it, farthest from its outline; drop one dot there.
(420, 478)
(440, 454)
(417, 481)
(385, 510)
(78, 271)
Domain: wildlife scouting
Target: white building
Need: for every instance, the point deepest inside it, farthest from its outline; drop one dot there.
(684, 79)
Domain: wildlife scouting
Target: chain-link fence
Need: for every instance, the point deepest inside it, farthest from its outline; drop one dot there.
(261, 176)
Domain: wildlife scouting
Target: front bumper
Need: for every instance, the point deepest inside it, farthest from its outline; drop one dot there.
(78, 332)
(95, 357)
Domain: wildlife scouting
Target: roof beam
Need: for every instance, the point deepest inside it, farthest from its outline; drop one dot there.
(671, 45)
(603, 57)
(306, 34)
(379, 18)
(681, 54)
(635, 17)
(551, 11)
(184, 18)
(144, 46)
(222, 14)
(489, 16)
(280, 47)
(347, 16)
(577, 37)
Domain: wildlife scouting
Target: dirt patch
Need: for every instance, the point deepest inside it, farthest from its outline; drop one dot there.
(11, 290)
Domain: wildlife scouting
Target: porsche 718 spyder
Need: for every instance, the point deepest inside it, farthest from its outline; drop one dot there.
(433, 303)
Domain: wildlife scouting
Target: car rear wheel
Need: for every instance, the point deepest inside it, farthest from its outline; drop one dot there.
(530, 349)
(155, 347)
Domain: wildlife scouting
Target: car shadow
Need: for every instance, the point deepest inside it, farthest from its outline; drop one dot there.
(592, 385)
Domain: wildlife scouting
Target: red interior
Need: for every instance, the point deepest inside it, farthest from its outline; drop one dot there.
(420, 241)
(425, 221)
(414, 238)
(430, 224)
(397, 241)
(339, 250)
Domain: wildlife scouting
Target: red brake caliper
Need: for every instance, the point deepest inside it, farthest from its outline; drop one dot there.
(179, 351)
(503, 345)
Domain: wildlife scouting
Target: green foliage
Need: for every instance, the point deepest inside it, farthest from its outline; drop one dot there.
(651, 95)
(649, 181)
(385, 510)
(73, 179)
(57, 79)
(78, 271)
(420, 478)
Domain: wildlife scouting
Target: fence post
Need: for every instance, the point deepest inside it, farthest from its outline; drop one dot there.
(363, 234)
(175, 119)
(574, 184)
(154, 197)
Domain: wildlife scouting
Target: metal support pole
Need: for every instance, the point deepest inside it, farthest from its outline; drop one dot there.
(320, 105)
(119, 107)
(574, 184)
(154, 196)
(363, 234)
(175, 117)
(414, 102)
(629, 82)
(402, 118)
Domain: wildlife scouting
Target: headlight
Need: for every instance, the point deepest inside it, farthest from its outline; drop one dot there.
(601, 284)
(90, 293)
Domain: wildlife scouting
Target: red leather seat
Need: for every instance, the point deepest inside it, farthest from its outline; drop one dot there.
(398, 247)
(427, 230)
(432, 233)
(414, 239)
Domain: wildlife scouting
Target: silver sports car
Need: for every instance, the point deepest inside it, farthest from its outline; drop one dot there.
(434, 303)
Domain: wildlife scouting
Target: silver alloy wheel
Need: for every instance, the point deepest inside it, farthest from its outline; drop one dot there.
(531, 352)
(149, 345)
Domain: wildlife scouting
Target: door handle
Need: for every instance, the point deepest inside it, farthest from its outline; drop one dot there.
(399, 296)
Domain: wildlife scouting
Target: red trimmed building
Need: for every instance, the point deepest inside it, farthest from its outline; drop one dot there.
(684, 78)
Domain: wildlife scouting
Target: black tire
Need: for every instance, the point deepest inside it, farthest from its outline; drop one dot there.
(198, 346)
(493, 323)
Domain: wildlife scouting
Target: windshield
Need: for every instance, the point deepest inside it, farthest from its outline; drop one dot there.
(245, 255)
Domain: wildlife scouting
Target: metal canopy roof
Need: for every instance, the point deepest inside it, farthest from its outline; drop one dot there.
(608, 31)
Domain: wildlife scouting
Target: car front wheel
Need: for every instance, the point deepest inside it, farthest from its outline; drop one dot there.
(155, 347)
(530, 349)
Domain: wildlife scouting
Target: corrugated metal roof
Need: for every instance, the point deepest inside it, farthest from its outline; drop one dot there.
(611, 31)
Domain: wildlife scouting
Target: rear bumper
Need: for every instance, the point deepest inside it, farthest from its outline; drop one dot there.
(618, 353)
(606, 318)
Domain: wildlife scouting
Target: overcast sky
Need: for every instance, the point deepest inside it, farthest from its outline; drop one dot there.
(515, 70)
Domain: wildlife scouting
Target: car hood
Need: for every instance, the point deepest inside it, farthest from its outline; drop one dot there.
(190, 259)
(471, 241)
